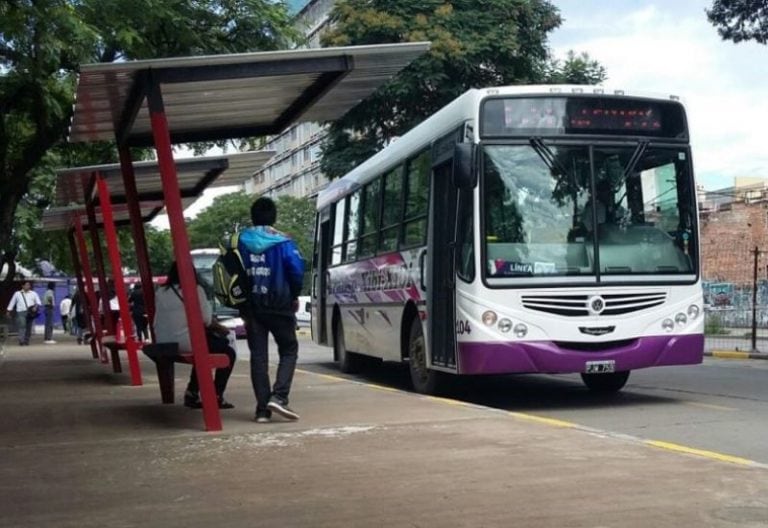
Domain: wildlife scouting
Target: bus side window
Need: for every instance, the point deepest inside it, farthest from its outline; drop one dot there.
(392, 210)
(416, 200)
(353, 225)
(338, 232)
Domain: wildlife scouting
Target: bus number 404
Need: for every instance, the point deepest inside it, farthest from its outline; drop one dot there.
(462, 327)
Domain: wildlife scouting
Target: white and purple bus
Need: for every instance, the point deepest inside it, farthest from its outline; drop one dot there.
(535, 229)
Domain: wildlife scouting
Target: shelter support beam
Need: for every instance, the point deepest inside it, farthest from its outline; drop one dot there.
(139, 238)
(113, 248)
(98, 257)
(94, 322)
(82, 299)
(181, 250)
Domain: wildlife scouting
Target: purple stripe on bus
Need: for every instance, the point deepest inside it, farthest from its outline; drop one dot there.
(548, 357)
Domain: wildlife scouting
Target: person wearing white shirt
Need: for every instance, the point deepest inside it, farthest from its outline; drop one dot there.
(171, 327)
(27, 304)
(64, 307)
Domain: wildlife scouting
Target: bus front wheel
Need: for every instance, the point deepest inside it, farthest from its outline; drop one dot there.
(605, 383)
(349, 362)
(424, 380)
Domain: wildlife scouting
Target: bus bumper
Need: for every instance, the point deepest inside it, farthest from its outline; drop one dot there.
(548, 357)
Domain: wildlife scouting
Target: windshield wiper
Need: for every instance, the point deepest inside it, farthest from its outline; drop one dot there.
(546, 155)
(635, 158)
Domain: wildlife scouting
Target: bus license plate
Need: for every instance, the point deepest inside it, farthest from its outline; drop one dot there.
(600, 367)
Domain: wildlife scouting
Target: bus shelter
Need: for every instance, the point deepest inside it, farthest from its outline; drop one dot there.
(161, 102)
(96, 193)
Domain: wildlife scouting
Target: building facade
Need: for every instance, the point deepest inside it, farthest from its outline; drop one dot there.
(295, 168)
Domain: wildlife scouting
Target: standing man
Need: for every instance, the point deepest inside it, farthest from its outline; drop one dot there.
(49, 301)
(27, 303)
(276, 269)
(64, 306)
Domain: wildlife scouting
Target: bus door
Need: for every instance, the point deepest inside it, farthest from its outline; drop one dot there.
(441, 299)
(319, 285)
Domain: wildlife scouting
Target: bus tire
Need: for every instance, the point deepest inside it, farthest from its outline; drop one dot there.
(423, 379)
(605, 383)
(349, 362)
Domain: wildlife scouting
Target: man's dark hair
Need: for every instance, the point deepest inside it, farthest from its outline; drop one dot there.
(263, 212)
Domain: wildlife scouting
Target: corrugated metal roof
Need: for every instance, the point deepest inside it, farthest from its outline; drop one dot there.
(61, 218)
(239, 95)
(194, 176)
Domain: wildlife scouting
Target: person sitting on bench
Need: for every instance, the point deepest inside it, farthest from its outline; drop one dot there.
(171, 327)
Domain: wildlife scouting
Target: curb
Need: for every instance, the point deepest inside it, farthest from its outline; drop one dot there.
(734, 354)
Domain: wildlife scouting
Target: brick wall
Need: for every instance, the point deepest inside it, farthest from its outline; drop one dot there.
(728, 238)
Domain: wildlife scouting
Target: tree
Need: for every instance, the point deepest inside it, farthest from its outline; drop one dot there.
(474, 43)
(231, 212)
(739, 20)
(226, 214)
(42, 42)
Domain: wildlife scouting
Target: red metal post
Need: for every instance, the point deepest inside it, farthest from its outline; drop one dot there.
(94, 322)
(137, 228)
(113, 248)
(181, 251)
(80, 282)
(93, 227)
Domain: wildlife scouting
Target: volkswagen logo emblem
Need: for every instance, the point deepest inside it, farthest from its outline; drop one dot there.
(595, 305)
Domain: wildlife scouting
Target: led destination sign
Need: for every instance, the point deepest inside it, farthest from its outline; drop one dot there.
(565, 115)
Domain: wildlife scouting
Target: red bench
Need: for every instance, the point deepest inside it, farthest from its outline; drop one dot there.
(165, 355)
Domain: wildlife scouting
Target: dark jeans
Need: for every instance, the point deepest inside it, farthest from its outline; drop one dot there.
(48, 333)
(218, 345)
(140, 322)
(24, 327)
(283, 329)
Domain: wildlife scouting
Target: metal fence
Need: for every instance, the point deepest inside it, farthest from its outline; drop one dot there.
(736, 306)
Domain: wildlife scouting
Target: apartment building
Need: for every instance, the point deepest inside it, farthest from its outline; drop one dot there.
(295, 169)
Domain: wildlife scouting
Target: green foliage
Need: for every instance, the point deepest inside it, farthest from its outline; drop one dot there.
(475, 43)
(714, 326)
(227, 214)
(576, 69)
(740, 20)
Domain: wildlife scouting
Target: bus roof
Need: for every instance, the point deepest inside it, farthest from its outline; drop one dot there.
(463, 108)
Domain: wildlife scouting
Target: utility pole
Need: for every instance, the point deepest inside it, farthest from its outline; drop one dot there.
(756, 253)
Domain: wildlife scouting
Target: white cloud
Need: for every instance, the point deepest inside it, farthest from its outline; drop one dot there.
(671, 48)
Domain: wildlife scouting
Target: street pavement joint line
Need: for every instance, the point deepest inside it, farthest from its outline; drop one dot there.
(730, 354)
(702, 453)
(545, 420)
(710, 406)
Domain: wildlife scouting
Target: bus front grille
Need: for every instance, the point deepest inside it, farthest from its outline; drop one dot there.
(580, 305)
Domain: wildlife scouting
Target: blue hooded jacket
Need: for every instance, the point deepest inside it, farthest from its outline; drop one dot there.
(275, 267)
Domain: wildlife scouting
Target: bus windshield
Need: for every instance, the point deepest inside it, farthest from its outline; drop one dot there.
(605, 213)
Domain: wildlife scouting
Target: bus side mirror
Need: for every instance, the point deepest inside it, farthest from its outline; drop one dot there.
(464, 176)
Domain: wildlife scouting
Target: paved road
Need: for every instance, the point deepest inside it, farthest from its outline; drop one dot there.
(719, 406)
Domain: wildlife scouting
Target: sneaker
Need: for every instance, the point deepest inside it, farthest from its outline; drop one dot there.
(280, 406)
(49, 342)
(263, 416)
(224, 404)
(192, 400)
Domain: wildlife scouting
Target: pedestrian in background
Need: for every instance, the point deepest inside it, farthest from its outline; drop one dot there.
(27, 304)
(49, 302)
(276, 269)
(138, 312)
(64, 306)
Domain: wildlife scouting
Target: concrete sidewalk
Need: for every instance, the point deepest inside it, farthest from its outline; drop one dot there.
(79, 447)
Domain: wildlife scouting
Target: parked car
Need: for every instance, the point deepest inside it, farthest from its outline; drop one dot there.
(304, 316)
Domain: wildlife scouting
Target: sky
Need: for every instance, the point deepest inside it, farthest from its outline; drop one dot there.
(670, 47)
(667, 47)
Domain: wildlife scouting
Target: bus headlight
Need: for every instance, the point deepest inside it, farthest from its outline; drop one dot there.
(521, 330)
(489, 318)
(668, 324)
(505, 325)
(681, 318)
(693, 311)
